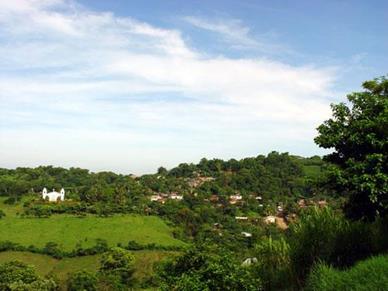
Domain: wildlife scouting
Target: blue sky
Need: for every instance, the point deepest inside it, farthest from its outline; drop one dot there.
(128, 86)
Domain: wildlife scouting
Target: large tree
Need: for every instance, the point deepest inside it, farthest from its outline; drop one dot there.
(358, 133)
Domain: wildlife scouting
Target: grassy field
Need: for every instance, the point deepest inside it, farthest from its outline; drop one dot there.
(67, 230)
(44, 265)
(370, 274)
(312, 171)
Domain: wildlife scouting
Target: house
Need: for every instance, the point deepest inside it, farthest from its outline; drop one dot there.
(214, 198)
(241, 218)
(175, 196)
(156, 198)
(198, 181)
(53, 196)
(233, 199)
(246, 234)
(322, 203)
(259, 198)
(249, 261)
(270, 219)
(302, 203)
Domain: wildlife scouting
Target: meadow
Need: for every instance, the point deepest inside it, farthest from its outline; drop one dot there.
(45, 265)
(68, 231)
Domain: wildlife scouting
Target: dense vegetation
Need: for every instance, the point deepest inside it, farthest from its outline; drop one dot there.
(275, 222)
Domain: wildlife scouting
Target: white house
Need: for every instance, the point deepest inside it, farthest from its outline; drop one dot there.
(175, 196)
(246, 234)
(241, 218)
(270, 219)
(249, 261)
(235, 197)
(156, 198)
(53, 196)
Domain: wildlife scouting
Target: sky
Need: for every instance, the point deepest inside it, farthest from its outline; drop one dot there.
(128, 86)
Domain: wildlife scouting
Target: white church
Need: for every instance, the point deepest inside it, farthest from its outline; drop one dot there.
(54, 195)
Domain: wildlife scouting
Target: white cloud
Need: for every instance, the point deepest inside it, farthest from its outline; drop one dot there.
(238, 36)
(233, 29)
(95, 83)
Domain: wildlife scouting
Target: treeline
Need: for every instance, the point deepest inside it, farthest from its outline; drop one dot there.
(274, 174)
(101, 246)
(115, 272)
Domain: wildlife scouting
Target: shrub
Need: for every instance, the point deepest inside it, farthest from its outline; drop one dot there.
(134, 246)
(273, 265)
(52, 249)
(313, 238)
(198, 269)
(370, 274)
(38, 285)
(82, 280)
(8, 246)
(354, 241)
(16, 271)
(118, 262)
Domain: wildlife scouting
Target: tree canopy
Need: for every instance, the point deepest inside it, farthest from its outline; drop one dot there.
(358, 133)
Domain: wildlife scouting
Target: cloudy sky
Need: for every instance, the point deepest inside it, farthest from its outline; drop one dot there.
(128, 86)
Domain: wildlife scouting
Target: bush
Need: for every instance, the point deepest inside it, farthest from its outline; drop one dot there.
(313, 239)
(134, 246)
(370, 274)
(16, 271)
(82, 280)
(353, 242)
(38, 285)
(8, 246)
(52, 249)
(118, 262)
(273, 265)
(198, 269)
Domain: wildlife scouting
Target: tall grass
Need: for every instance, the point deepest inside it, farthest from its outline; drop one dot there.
(321, 235)
(368, 275)
(273, 266)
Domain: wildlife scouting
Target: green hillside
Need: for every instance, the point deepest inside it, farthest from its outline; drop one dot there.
(44, 265)
(67, 230)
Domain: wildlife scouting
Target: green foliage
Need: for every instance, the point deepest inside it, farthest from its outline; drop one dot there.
(198, 269)
(2, 214)
(367, 275)
(16, 271)
(359, 137)
(38, 285)
(69, 231)
(82, 280)
(321, 235)
(52, 249)
(273, 265)
(117, 263)
(312, 238)
(17, 276)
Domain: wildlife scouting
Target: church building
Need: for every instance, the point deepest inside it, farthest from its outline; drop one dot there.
(53, 196)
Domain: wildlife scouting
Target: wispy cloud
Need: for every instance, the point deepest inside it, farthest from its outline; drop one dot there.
(70, 81)
(232, 30)
(237, 35)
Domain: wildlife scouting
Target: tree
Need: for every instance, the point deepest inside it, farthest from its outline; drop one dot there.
(200, 269)
(82, 280)
(162, 171)
(358, 133)
(118, 263)
(16, 271)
